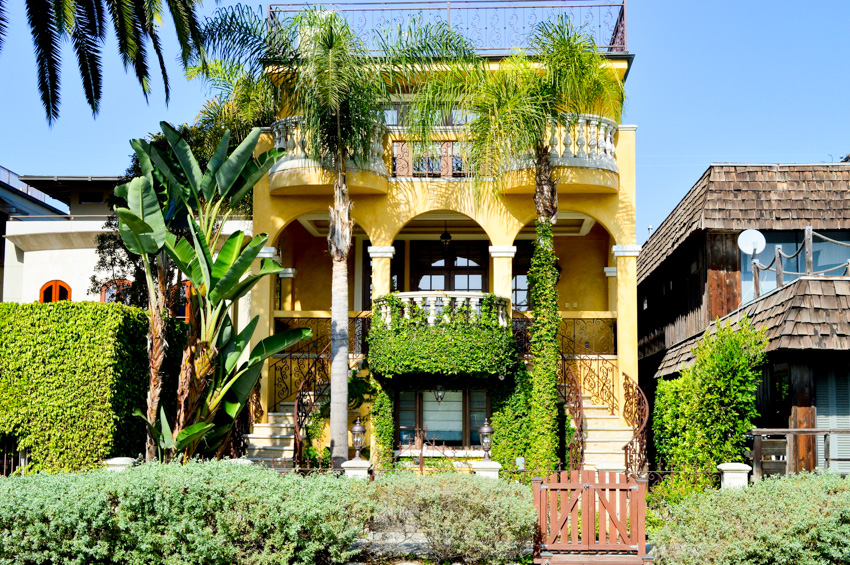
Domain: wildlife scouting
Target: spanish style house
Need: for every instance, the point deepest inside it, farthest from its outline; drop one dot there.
(424, 233)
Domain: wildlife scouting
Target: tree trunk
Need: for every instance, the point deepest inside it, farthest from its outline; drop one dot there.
(545, 192)
(156, 350)
(339, 363)
(543, 275)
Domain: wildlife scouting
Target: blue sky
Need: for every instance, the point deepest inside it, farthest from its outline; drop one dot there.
(717, 81)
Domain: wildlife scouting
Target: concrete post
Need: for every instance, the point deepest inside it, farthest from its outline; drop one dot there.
(357, 468)
(119, 463)
(487, 469)
(735, 475)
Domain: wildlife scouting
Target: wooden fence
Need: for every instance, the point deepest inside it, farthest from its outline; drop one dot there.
(588, 517)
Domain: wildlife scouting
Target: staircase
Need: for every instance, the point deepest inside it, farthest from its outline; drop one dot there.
(273, 443)
(605, 434)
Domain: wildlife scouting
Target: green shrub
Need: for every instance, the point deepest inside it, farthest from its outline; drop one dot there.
(457, 345)
(71, 374)
(463, 517)
(211, 513)
(702, 418)
(795, 520)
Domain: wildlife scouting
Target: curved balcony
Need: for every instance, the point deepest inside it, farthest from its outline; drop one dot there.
(583, 158)
(297, 174)
(439, 306)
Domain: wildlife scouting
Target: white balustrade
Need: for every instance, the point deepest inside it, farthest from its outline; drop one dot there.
(589, 142)
(437, 306)
(289, 136)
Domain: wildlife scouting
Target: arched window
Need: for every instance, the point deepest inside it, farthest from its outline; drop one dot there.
(54, 291)
(115, 291)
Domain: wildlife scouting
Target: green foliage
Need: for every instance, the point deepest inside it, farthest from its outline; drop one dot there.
(457, 345)
(673, 489)
(383, 428)
(702, 418)
(545, 354)
(212, 513)
(71, 375)
(794, 520)
(510, 418)
(463, 517)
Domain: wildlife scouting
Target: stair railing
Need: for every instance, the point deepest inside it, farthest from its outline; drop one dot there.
(315, 384)
(569, 391)
(597, 378)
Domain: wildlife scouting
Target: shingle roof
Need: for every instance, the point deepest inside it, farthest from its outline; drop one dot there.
(739, 197)
(807, 313)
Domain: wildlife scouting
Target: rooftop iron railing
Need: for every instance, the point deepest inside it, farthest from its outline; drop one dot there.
(495, 27)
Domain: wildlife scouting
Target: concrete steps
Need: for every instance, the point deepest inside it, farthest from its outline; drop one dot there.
(605, 434)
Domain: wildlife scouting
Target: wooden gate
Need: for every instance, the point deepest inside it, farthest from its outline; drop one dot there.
(590, 517)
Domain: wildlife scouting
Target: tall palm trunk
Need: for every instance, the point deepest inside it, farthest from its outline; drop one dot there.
(156, 349)
(543, 450)
(339, 244)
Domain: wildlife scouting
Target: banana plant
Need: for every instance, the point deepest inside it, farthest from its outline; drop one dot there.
(213, 386)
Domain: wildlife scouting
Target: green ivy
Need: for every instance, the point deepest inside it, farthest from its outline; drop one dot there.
(383, 428)
(457, 345)
(543, 417)
(702, 418)
(71, 374)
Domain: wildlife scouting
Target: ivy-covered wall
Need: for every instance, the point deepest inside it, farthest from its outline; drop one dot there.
(457, 345)
(71, 375)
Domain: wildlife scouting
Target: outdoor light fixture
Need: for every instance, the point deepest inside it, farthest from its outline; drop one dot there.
(446, 237)
(357, 433)
(439, 393)
(485, 434)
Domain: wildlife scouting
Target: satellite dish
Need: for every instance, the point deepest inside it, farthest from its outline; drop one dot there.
(751, 242)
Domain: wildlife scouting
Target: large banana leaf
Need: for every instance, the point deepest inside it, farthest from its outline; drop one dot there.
(185, 157)
(208, 183)
(236, 270)
(227, 255)
(232, 167)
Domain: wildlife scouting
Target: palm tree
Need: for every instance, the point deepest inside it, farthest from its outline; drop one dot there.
(84, 23)
(511, 110)
(326, 77)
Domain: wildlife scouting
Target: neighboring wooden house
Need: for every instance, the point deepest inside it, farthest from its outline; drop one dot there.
(691, 272)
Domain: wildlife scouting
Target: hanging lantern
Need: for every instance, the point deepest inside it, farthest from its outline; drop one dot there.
(446, 237)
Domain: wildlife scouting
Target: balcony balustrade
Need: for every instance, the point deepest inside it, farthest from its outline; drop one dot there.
(439, 306)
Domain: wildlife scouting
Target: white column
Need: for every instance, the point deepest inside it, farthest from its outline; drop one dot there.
(488, 469)
(503, 256)
(357, 468)
(381, 275)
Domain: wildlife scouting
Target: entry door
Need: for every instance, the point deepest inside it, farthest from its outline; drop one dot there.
(832, 401)
(461, 267)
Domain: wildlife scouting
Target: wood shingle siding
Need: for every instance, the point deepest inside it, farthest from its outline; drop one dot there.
(739, 197)
(808, 313)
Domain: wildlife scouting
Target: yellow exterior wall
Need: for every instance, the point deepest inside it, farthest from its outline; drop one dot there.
(382, 207)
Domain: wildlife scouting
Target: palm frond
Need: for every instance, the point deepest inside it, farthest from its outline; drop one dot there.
(86, 37)
(46, 42)
(4, 23)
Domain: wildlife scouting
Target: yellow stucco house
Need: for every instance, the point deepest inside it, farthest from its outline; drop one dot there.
(423, 231)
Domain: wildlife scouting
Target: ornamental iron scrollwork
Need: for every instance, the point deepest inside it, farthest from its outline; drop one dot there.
(494, 27)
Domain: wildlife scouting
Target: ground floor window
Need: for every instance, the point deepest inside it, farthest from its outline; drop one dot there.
(832, 403)
(55, 291)
(453, 421)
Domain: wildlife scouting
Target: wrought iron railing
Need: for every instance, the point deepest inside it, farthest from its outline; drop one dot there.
(597, 334)
(598, 378)
(358, 329)
(495, 27)
(569, 391)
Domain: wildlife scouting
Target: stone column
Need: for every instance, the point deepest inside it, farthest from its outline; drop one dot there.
(488, 469)
(287, 277)
(381, 275)
(611, 276)
(503, 256)
(262, 305)
(625, 257)
(357, 468)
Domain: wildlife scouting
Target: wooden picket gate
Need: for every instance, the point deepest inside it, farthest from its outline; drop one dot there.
(590, 517)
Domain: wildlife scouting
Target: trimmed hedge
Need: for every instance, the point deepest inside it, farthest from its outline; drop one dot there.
(795, 520)
(212, 513)
(71, 375)
(221, 512)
